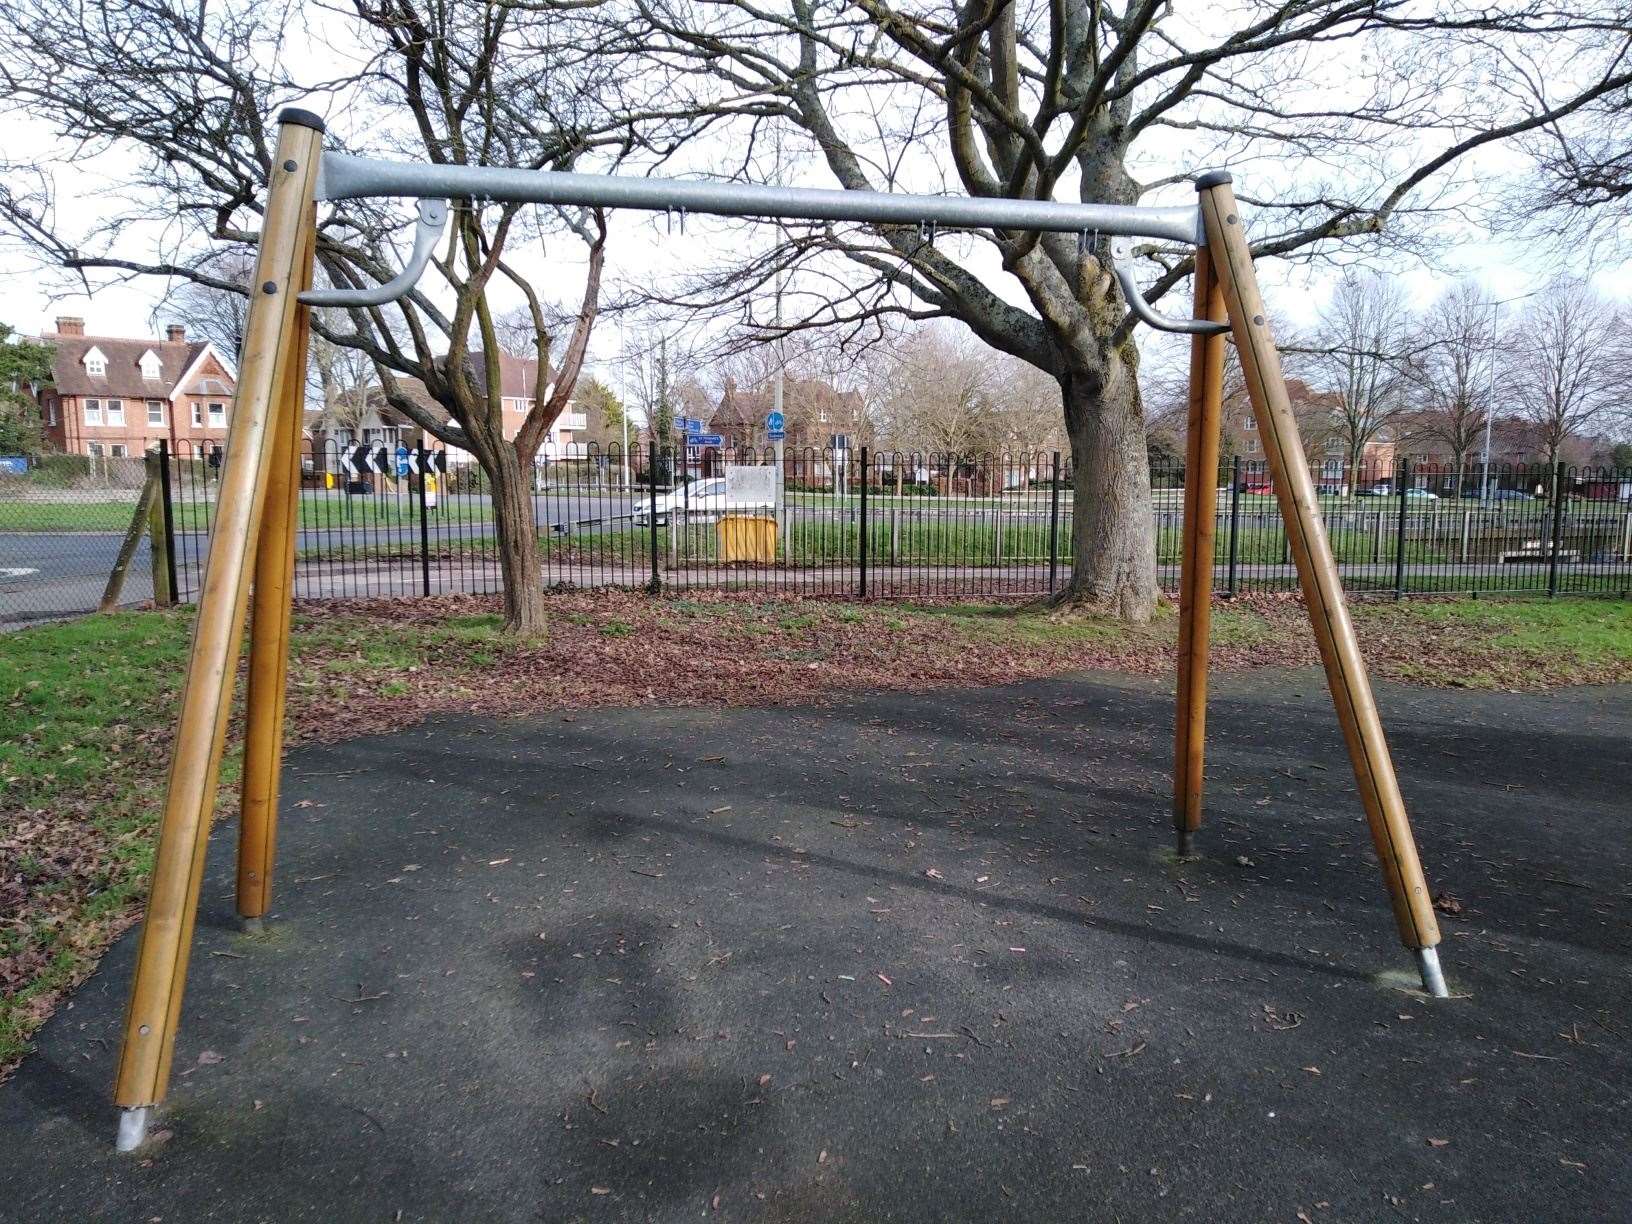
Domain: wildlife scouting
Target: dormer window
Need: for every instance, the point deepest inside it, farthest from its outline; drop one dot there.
(96, 364)
(151, 368)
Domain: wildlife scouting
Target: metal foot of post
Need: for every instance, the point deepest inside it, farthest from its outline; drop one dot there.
(1433, 981)
(1187, 844)
(133, 1127)
(252, 926)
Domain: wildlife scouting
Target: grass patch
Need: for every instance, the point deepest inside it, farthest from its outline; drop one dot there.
(77, 739)
(1486, 643)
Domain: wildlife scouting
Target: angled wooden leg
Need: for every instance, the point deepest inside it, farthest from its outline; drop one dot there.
(269, 626)
(1196, 563)
(206, 700)
(1317, 574)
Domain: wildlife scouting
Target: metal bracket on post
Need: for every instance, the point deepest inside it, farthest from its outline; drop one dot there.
(433, 215)
(1122, 265)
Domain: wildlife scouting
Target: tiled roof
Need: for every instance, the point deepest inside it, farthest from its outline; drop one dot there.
(124, 374)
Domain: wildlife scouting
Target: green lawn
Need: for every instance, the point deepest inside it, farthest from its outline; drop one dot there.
(103, 515)
(77, 746)
(318, 509)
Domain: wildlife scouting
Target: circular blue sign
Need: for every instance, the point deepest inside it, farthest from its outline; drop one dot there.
(774, 422)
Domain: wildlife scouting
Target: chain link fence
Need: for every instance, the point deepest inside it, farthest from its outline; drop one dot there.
(843, 523)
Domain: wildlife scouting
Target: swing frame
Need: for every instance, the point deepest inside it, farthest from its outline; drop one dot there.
(250, 566)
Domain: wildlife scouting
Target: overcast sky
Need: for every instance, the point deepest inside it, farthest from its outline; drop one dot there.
(644, 249)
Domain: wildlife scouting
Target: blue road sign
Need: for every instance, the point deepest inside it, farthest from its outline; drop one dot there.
(775, 423)
(703, 439)
(402, 461)
(688, 425)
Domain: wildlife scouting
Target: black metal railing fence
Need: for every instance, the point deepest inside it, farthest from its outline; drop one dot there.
(863, 523)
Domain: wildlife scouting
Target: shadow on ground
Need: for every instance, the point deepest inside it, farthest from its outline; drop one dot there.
(907, 957)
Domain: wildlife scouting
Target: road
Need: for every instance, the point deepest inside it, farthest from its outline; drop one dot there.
(44, 575)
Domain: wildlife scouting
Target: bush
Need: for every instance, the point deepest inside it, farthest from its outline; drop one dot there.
(60, 469)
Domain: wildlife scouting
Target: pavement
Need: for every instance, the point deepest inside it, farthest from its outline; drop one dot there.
(902, 957)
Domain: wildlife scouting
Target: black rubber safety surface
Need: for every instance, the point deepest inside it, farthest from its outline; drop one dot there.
(904, 957)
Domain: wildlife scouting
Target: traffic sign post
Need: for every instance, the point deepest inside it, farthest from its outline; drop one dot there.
(776, 428)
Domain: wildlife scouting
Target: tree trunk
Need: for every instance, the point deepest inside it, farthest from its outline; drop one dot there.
(1113, 532)
(517, 541)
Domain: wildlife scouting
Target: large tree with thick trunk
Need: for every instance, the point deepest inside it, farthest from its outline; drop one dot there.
(1343, 116)
(177, 101)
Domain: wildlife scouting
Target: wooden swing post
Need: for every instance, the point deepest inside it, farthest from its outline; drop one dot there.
(269, 627)
(1204, 420)
(266, 382)
(1317, 575)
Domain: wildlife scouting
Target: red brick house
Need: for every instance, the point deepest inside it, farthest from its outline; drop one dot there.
(379, 423)
(114, 396)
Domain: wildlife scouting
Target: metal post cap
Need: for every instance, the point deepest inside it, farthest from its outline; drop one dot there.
(1212, 178)
(305, 118)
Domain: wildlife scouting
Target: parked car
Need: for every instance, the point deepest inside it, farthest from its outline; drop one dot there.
(1387, 490)
(1474, 494)
(703, 501)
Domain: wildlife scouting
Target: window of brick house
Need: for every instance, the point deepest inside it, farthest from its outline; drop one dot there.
(113, 411)
(117, 450)
(198, 413)
(155, 412)
(93, 412)
(218, 415)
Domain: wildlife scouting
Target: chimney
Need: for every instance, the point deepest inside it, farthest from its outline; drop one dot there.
(175, 333)
(67, 325)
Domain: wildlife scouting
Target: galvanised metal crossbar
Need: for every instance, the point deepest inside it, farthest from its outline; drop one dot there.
(342, 176)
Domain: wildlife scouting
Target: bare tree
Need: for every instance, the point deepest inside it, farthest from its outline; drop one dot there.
(1561, 362)
(218, 315)
(1450, 374)
(940, 397)
(1075, 96)
(344, 384)
(1582, 187)
(184, 96)
(1358, 354)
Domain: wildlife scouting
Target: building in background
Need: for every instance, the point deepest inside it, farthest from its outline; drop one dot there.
(367, 419)
(117, 396)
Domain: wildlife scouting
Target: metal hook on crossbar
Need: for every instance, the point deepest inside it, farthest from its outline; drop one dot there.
(1122, 265)
(433, 215)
